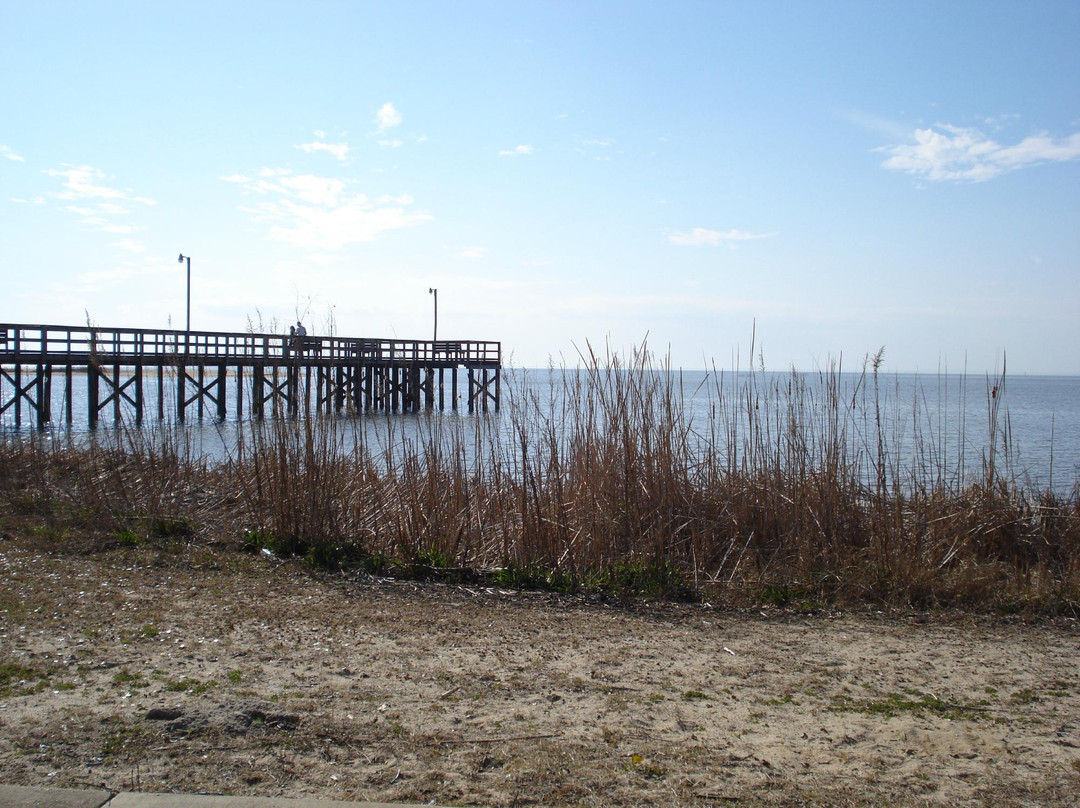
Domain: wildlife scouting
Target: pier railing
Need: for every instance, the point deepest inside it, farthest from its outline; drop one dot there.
(62, 345)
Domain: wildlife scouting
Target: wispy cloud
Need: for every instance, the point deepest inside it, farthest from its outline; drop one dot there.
(95, 222)
(877, 124)
(322, 213)
(83, 182)
(597, 148)
(7, 152)
(130, 245)
(946, 152)
(522, 149)
(391, 144)
(338, 150)
(387, 117)
(473, 252)
(99, 206)
(703, 237)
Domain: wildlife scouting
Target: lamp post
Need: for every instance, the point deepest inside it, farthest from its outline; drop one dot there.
(435, 333)
(182, 259)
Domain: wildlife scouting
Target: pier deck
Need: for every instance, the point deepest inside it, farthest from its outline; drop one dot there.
(271, 373)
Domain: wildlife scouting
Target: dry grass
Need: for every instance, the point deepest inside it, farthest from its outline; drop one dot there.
(794, 492)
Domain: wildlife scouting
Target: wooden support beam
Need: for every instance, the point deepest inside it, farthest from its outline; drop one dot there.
(92, 394)
(68, 397)
(257, 383)
(239, 392)
(44, 395)
(222, 378)
(181, 378)
(138, 394)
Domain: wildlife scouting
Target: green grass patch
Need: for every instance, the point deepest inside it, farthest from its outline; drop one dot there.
(129, 538)
(189, 686)
(917, 704)
(122, 739)
(696, 695)
(642, 578)
(130, 679)
(532, 577)
(17, 679)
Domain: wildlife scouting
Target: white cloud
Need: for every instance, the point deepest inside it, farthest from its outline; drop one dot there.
(523, 149)
(266, 187)
(106, 226)
(955, 153)
(80, 182)
(338, 150)
(98, 205)
(473, 252)
(703, 237)
(387, 117)
(130, 245)
(9, 154)
(356, 220)
(320, 213)
(316, 190)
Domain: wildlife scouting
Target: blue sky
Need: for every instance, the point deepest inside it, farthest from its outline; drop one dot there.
(833, 177)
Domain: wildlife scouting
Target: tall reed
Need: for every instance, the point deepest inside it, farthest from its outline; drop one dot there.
(803, 489)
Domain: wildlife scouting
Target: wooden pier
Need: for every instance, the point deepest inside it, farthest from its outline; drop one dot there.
(269, 373)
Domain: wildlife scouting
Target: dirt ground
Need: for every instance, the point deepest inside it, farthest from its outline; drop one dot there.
(206, 670)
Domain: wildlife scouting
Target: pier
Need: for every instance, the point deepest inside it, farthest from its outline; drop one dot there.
(125, 369)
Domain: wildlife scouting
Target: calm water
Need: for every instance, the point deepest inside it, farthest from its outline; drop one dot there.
(936, 425)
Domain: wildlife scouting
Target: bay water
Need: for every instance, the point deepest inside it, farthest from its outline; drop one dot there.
(945, 425)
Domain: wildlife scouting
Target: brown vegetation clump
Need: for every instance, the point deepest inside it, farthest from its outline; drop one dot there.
(609, 478)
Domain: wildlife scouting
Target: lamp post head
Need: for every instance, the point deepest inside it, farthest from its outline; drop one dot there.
(181, 258)
(431, 291)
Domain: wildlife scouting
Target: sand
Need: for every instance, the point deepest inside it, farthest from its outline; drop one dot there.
(206, 670)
